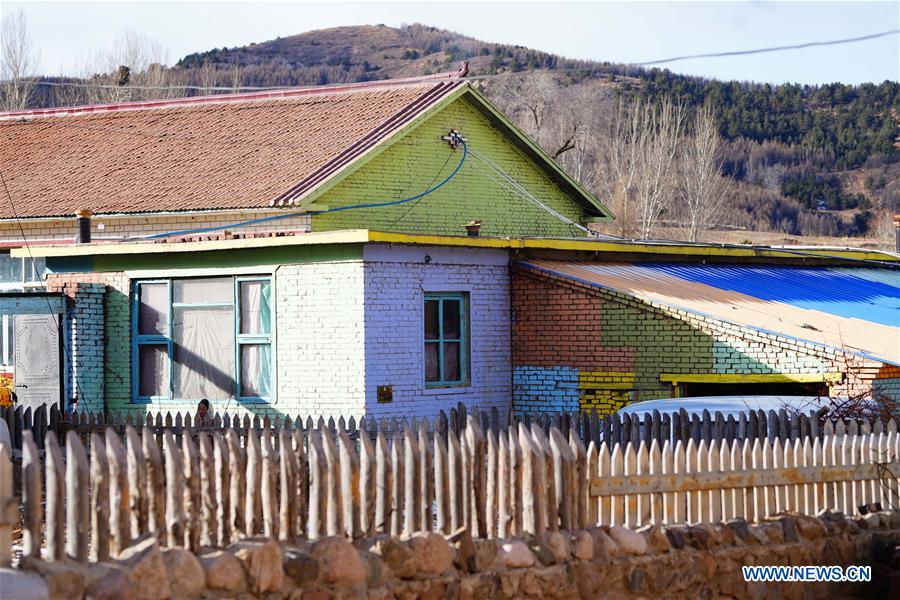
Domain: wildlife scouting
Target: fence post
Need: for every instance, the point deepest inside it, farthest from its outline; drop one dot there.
(192, 503)
(350, 493)
(156, 502)
(252, 520)
(137, 476)
(237, 485)
(269, 498)
(77, 508)
(318, 484)
(426, 481)
(55, 483)
(31, 497)
(367, 480)
(383, 483)
(174, 487)
(411, 491)
(9, 505)
(287, 514)
(99, 497)
(210, 533)
(118, 493)
(223, 487)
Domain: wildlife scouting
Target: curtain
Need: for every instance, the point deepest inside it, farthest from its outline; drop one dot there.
(204, 353)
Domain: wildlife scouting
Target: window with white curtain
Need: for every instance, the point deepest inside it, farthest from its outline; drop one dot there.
(203, 338)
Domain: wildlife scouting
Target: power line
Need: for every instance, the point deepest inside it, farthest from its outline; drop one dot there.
(772, 49)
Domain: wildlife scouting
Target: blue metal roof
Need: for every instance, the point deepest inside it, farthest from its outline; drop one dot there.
(869, 294)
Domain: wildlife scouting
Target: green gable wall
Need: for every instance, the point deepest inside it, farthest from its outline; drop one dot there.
(419, 159)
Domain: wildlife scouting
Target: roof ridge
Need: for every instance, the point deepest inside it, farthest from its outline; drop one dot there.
(275, 94)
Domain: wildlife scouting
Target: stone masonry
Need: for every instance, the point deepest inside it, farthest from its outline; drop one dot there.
(699, 561)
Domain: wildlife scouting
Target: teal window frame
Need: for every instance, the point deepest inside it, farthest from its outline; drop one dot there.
(167, 340)
(441, 297)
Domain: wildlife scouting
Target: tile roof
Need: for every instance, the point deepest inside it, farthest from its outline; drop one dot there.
(857, 310)
(217, 152)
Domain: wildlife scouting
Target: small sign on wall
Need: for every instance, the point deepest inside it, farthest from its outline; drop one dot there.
(385, 394)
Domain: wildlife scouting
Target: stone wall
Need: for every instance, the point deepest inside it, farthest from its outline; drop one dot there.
(701, 561)
(579, 346)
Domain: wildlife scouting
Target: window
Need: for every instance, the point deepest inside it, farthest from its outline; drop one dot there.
(446, 340)
(203, 338)
(17, 273)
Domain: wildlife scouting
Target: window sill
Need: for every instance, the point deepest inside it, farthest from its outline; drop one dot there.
(446, 391)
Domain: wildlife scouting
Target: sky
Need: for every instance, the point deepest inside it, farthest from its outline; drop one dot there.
(628, 32)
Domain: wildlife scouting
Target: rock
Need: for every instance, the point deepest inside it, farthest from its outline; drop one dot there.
(466, 554)
(542, 552)
(185, 573)
(676, 537)
(22, 585)
(895, 519)
(263, 563)
(698, 537)
(810, 528)
(583, 546)
(64, 579)
(397, 556)
(789, 528)
(604, 545)
(774, 532)
(108, 581)
(631, 542)
(376, 572)
(485, 554)
(339, 562)
(224, 571)
(656, 539)
(432, 553)
(302, 568)
(147, 569)
(635, 580)
(558, 546)
(514, 555)
(740, 529)
(873, 520)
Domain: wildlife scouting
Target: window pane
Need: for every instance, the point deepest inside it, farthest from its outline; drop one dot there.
(451, 361)
(34, 269)
(204, 353)
(256, 370)
(153, 309)
(153, 366)
(451, 319)
(203, 291)
(256, 311)
(10, 269)
(431, 319)
(432, 362)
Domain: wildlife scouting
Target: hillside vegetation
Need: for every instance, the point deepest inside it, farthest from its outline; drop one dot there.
(805, 160)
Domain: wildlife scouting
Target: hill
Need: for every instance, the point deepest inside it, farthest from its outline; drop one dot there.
(808, 160)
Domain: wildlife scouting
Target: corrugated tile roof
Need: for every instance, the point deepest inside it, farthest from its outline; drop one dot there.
(197, 154)
(855, 309)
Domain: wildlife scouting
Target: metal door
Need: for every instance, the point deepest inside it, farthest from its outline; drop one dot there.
(37, 358)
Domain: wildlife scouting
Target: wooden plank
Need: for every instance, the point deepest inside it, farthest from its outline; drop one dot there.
(137, 488)
(411, 489)
(9, 506)
(209, 535)
(349, 480)
(236, 485)
(268, 496)
(174, 494)
(77, 507)
(222, 482)
(318, 486)
(287, 503)
(253, 501)
(155, 482)
(118, 493)
(426, 479)
(55, 482)
(383, 483)
(397, 473)
(99, 497)
(367, 480)
(334, 512)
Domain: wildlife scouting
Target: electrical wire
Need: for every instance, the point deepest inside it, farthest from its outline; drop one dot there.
(43, 284)
(358, 206)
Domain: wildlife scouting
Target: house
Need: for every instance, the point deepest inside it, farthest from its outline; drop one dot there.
(303, 252)
(392, 324)
(425, 155)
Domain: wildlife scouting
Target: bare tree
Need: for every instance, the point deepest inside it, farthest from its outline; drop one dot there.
(703, 187)
(659, 139)
(618, 155)
(18, 63)
(206, 77)
(236, 76)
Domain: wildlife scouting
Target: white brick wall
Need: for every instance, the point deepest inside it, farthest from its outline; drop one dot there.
(396, 280)
(320, 339)
(344, 328)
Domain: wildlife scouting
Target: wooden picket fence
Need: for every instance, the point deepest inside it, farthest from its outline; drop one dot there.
(212, 488)
(589, 426)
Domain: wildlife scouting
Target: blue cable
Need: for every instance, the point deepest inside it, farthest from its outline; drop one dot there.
(320, 212)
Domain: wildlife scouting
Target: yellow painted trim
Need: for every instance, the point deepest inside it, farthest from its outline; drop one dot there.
(357, 236)
(676, 378)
